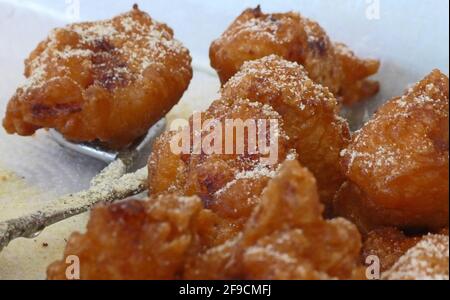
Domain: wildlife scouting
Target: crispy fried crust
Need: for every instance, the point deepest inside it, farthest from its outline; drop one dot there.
(285, 238)
(168, 237)
(107, 81)
(388, 244)
(134, 240)
(309, 112)
(426, 260)
(254, 35)
(228, 184)
(397, 164)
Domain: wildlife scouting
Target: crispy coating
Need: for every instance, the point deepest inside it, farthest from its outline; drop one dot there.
(287, 237)
(134, 240)
(167, 237)
(443, 231)
(388, 244)
(397, 164)
(228, 184)
(309, 112)
(254, 35)
(106, 81)
(428, 260)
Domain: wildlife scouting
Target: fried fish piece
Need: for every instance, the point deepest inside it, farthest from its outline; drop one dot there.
(134, 240)
(309, 112)
(254, 35)
(286, 237)
(155, 239)
(397, 164)
(388, 244)
(428, 260)
(107, 81)
(228, 182)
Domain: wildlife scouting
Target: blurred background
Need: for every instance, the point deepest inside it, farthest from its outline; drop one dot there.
(370, 26)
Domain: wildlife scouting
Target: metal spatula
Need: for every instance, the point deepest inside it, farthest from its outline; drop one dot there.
(113, 183)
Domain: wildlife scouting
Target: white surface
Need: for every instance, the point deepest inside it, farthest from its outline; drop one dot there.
(410, 38)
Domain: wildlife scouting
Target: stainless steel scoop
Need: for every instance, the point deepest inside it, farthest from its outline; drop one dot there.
(105, 155)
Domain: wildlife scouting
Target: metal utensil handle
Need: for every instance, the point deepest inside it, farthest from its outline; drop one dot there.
(71, 205)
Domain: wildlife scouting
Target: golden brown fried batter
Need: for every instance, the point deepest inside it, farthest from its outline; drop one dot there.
(388, 244)
(134, 240)
(443, 231)
(287, 238)
(309, 112)
(228, 184)
(426, 260)
(397, 164)
(107, 81)
(254, 35)
(167, 238)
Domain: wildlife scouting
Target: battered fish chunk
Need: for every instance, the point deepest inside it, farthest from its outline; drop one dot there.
(254, 35)
(309, 112)
(134, 240)
(106, 81)
(286, 238)
(388, 244)
(229, 183)
(428, 260)
(397, 164)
